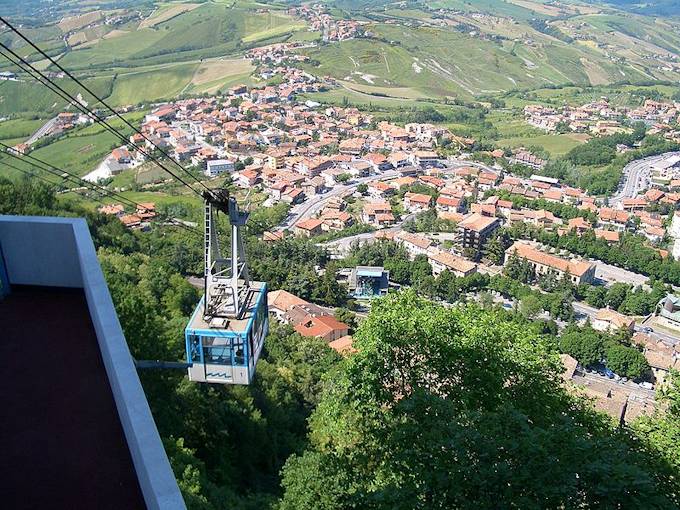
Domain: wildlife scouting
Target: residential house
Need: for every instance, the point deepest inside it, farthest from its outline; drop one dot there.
(416, 202)
(326, 327)
(335, 220)
(308, 228)
(614, 218)
(415, 244)
(449, 204)
(215, 167)
(378, 214)
(578, 271)
(445, 261)
(424, 158)
(611, 321)
(380, 189)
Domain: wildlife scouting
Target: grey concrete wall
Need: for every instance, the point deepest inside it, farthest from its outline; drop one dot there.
(65, 252)
(40, 251)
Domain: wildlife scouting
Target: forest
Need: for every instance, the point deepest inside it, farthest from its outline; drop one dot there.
(440, 407)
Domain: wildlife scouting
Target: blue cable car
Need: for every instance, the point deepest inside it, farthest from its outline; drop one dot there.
(225, 335)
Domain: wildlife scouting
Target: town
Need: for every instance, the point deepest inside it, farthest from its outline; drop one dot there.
(601, 118)
(349, 180)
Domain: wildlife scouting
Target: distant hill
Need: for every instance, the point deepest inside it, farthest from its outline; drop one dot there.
(651, 7)
(472, 48)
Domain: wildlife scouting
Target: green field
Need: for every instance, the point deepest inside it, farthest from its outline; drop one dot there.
(80, 151)
(212, 29)
(19, 128)
(341, 96)
(151, 85)
(29, 98)
(438, 62)
(556, 145)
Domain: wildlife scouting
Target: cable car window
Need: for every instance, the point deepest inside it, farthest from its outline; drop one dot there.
(239, 354)
(194, 348)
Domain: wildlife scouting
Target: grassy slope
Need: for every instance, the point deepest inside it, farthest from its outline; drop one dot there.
(556, 145)
(19, 128)
(29, 97)
(83, 149)
(152, 85)
(452, 63)
(212, 29)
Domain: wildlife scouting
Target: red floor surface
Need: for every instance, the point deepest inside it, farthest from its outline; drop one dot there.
(62, 442)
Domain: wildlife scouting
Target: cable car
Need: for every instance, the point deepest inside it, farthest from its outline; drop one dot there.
(225, 335)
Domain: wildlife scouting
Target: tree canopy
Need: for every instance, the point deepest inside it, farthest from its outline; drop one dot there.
(459, 408)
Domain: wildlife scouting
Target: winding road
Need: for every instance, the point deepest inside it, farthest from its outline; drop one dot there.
(636, 177)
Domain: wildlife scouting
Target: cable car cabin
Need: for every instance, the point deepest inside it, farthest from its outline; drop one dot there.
(225, 351)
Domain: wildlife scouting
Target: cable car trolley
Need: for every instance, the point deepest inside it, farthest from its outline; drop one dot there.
(226, 332)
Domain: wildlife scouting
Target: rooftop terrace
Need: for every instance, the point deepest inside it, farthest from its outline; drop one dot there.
(63, 443)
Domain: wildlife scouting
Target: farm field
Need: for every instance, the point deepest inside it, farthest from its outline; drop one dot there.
(19, 128)
(438, 62)
(166, 12)
(180, 32)
(214, 75)
(555, 144)
(153, 85)
(340, 96)
(30, 98)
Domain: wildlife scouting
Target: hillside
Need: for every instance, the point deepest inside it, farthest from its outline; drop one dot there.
(430, 49)
(464, 49)
(150, 52)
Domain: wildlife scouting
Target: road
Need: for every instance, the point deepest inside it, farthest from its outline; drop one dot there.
(42, 131)
(611, 274)
(636, 177)
(343, 245)
(309, 208)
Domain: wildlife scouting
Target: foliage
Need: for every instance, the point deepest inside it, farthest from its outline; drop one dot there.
(203, 427)
(660, 434)
(346, 316)
(519, 269)
(431, 393)
(428, 221)
(626, 361)
(615, 351)
(586, 347)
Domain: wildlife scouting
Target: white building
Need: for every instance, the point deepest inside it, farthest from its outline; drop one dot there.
(215, 167)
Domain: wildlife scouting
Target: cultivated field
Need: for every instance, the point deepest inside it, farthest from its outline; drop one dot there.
(165, 13)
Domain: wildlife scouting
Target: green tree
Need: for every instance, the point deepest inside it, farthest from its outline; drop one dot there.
(617, 294)
(626, 361)
(585, 346)
(596, 296)
(660, 434)
(346, 316)
(459, 408)
(519, 269)
(530, 306)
